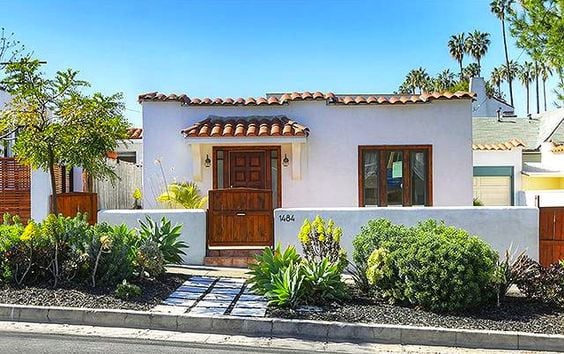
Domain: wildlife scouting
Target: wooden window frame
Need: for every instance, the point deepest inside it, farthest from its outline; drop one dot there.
(266, 149)
(406, 162)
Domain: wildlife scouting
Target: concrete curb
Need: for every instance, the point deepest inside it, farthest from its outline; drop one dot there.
(274, 327)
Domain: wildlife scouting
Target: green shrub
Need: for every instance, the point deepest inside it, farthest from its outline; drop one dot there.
(185, 195)
(321, 240)
(126, 291)
(438, 267)
(287, 288)
(110, 254)
(269, 262)
(544, 284)
(323, 281)
(149, 259)
(166, 237)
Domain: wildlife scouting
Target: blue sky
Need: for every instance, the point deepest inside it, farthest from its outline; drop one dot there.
(247, 48)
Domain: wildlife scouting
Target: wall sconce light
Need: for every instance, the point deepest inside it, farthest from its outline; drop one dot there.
(207, 161)
(286, 161)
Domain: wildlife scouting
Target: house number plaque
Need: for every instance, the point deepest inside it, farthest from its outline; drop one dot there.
(287, 218)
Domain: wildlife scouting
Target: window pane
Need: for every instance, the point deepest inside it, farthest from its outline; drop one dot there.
(394, 177)
(418, 177)
(219, 163)
(274, 174)
(370, 177)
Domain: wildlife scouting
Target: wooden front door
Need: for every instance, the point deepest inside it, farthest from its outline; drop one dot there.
(246, 190)
(247, 169)
(551, 235)
(240, 217)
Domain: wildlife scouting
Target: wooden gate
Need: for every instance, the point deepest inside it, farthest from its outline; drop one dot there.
(70, 204)
(15, 188)
(240, 217)
(551, 235)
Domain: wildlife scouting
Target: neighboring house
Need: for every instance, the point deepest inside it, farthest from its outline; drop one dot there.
(516, 158)
(314, 149)
(484, 105)
(131, 150)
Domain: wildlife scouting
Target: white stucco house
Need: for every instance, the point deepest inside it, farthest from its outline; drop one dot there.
(516, 159)
(314, 149)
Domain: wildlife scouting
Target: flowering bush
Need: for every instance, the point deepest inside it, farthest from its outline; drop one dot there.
(320, 240)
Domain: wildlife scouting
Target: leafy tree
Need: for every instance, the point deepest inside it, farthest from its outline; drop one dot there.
(10, 49)
(56, 124)
(526, 76)
(476, 44)
(456, 47)
(502, 8)
(539, 29)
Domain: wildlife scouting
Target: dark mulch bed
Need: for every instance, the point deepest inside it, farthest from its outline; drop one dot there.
(74, 295)
(516, 314)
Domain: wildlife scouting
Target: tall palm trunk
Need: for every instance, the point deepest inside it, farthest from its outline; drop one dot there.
(537, 86)
(479, 67)
(461, 70)
(509, 78)
(527, 88)
(544, 92)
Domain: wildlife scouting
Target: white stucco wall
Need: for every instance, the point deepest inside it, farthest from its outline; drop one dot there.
(193, 230)
(549, 159)
(501, 227)
(4, 98)
(132, 145)
(541, 198)
(512, 158)
(329, 162)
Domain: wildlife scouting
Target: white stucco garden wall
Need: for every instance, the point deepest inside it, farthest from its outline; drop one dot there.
(193, 230)
(40, 194)
(501, 227)
(329, 159)
(512, 158)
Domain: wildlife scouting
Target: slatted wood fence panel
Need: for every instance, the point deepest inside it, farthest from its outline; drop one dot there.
(15, 188)
(70, 204)
(119, 196)
(551, 234)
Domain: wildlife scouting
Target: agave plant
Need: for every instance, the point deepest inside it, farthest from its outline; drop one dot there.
(185, 195)
(270, 261)
(166, 237)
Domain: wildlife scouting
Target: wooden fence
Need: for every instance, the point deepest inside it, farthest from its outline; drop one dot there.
(119, 196)
(551, 234)
(70, 204)
(15, 188)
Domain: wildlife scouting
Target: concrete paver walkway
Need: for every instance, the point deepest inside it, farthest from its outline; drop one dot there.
(214, 296)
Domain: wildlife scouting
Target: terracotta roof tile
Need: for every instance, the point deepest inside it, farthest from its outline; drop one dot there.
(245, 126)
(279, 99)
(508, 145)
(135, 133)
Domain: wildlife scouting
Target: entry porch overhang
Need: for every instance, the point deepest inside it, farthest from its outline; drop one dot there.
(245, 131)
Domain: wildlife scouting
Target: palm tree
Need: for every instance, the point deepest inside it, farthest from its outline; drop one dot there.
(545, 71)
(470, 71)
(526, 77)
(512, 69)
(501, 8)
(456, 49)
(444, 80)
(417, 79)
(536, 78)
(496, 78)
(476, 45)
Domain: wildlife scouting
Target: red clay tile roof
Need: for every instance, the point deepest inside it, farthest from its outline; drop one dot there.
(513, 143)
(279, 99)
(245, 127)
(135, 133)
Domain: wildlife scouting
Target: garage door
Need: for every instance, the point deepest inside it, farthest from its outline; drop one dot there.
(493, 190)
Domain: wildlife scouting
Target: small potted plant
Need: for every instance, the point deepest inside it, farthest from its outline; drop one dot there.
(137, 199)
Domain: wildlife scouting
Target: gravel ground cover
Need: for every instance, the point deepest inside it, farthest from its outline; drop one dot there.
(154, 292)
(516, 314)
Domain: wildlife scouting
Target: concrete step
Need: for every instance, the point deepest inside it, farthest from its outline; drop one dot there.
(233, 252)
(238, 262)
